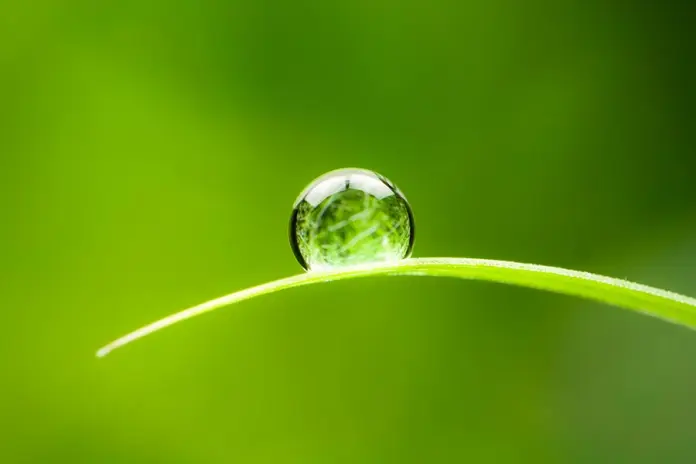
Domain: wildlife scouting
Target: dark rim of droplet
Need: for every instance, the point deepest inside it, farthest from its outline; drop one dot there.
(293, 218)
(293, 238)
(412, 227)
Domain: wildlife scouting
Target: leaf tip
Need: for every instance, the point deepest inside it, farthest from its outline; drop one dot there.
(103, 352)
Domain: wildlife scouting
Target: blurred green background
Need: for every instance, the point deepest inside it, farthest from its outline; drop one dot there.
(150, 152)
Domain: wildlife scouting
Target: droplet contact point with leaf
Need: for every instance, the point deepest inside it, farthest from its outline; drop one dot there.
(354, 223)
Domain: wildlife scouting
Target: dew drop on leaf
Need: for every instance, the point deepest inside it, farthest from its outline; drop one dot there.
(349, 217)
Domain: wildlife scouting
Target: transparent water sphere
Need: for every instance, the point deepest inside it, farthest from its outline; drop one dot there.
(348, 217)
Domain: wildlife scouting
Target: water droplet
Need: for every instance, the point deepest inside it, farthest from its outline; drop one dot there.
(348, 217)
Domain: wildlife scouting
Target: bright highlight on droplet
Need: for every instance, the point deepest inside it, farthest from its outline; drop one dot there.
(349, 217)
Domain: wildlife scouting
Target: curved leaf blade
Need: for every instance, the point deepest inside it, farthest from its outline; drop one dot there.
(663, 304)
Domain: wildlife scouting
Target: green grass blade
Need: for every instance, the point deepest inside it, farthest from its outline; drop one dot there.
(662, 304)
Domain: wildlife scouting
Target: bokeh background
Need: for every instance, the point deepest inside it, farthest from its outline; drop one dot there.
(150, 152)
